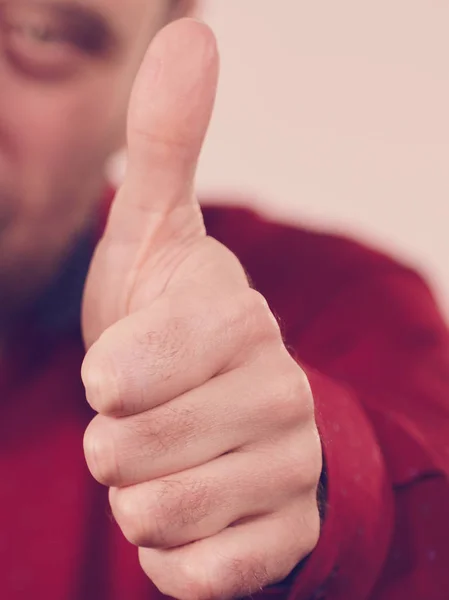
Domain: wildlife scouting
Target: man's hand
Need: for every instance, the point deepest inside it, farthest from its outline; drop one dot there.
(205, 433)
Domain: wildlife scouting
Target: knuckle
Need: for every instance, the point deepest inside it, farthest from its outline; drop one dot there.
(197, 584)
(298, 464)
(305, 472)
(164, 346)
(192, 581)
(309, 466)
(294, 396)
(302, 525)
(100, 453)
(242, 576)
(155, 514)
(102, 383)
(222, 576)
(246, 576)
(313, 530)
(287, 396)
(154, 431)
(126, 505)
(250, 319)
(181, 504)
(316, 457)
(163, 428)
(264, 320)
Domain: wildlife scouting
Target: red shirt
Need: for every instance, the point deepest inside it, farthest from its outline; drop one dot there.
(376, 349)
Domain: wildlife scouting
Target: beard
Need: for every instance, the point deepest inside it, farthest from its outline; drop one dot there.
(38, 233)
(17, 272)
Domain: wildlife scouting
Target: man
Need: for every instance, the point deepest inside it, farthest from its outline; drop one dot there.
(208, 414)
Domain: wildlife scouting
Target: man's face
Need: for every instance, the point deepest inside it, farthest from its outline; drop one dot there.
(66, 70)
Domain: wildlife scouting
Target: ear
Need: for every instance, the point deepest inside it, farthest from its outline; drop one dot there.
(183, 8)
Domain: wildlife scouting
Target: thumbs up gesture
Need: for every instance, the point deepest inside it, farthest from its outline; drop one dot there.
(205, 432)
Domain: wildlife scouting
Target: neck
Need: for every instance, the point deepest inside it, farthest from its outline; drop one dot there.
(55, 295)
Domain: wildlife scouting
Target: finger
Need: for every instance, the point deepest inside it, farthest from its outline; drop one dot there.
(154, 356)
(237, 562)
(188, 506)
(169, 113)
(227, 413)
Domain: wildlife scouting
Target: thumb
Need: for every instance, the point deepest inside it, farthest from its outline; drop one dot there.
(156, 208)
(169, 113)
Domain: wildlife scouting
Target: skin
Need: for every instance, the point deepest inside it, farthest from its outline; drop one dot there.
(63, 108)
(205, 432)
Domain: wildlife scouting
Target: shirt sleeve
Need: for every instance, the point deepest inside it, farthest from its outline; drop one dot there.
(378, 363)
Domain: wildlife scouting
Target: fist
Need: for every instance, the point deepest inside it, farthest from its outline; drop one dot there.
(205, 432)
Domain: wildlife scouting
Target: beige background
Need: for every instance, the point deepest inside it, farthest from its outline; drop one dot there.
(336, 113)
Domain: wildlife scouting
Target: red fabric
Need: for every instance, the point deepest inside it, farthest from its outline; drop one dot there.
(376, 350)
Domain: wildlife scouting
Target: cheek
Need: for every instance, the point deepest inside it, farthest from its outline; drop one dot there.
(70, 132)
(55, 142)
